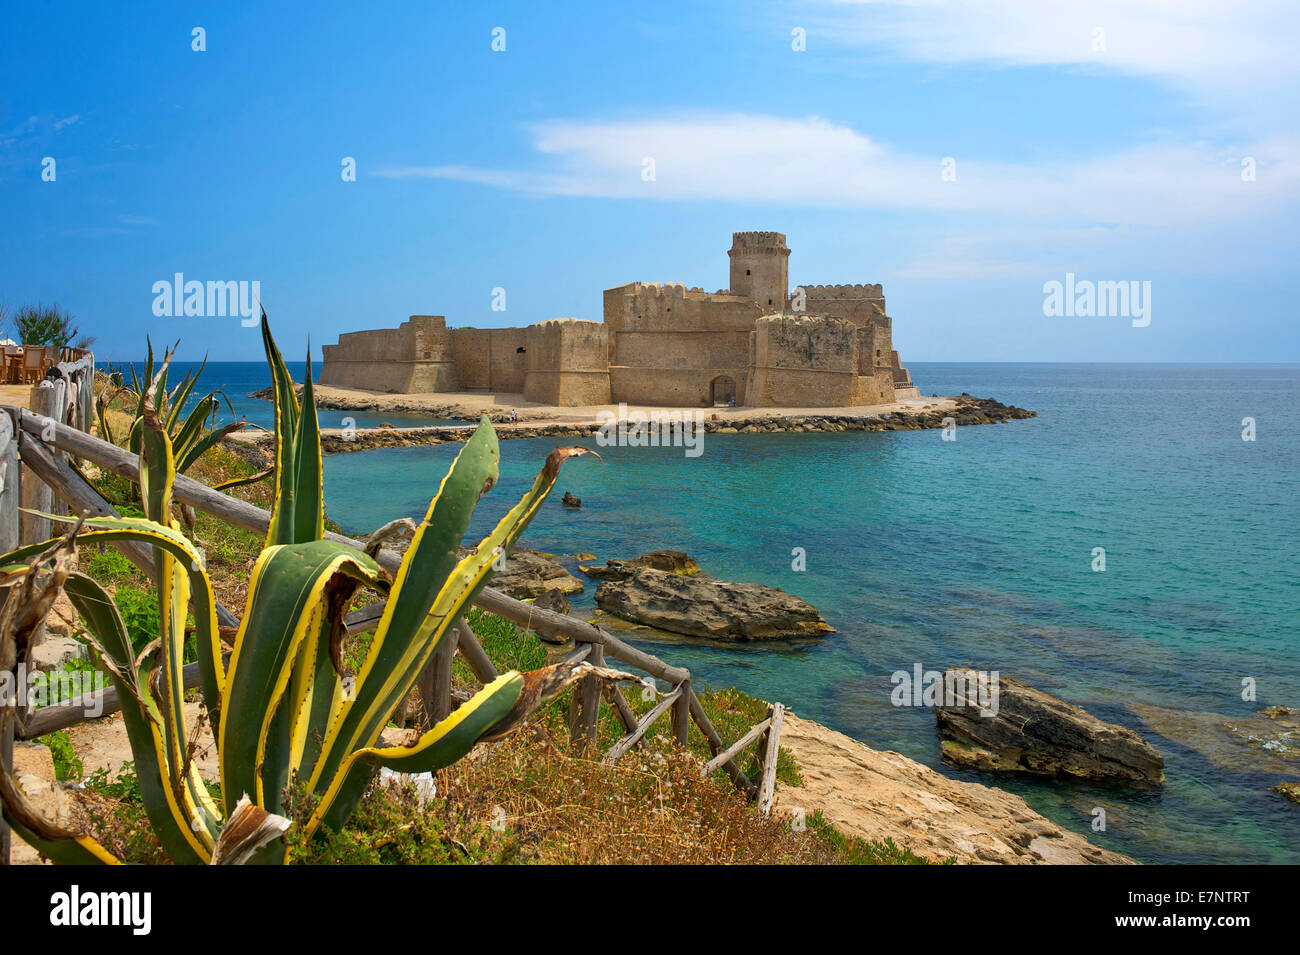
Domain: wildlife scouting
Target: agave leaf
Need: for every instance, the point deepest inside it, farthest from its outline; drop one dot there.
(190, 431)
(411, 627)
(289, 583)
(392, 663)
(182, 394)
(309, 474)
(183, 816)
(195, 451)
(241, 482)
(441, 746)
(203, 599)
(281, 529)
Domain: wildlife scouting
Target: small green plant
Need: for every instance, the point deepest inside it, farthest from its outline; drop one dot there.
(111, 567)
(66, 764)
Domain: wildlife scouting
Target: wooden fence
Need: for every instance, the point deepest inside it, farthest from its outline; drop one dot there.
(56, 428)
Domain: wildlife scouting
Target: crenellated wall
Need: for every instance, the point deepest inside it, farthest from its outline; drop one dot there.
(414, 357)
(668, 342)
(568, 363)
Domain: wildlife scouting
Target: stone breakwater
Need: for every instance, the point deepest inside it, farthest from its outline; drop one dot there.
(968, 410)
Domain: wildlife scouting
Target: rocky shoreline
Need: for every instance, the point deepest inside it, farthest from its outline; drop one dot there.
(969, 410)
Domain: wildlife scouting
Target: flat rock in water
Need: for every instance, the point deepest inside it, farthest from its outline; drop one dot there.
(1032, 732)
(527, 573)
(703, 606)
(669, 561)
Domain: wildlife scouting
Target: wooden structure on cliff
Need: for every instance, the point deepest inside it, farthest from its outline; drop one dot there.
(36, 445)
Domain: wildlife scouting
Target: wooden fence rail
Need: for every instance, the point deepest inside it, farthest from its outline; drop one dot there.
(56, 429)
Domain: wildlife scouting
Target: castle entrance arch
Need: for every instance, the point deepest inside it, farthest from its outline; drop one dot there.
(723, 390)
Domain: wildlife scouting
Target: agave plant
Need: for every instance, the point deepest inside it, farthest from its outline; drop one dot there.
(190, 436)
(284, 718)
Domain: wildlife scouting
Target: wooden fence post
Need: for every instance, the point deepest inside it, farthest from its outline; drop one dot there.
(770, 750)
(10, 486)
(587, 694)
(46, 404)
(682, 715)
(434, 683)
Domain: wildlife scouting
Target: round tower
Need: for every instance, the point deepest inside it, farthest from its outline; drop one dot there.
(760, 268)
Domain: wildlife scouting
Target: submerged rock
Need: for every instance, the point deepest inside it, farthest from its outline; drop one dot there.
(1029, 731)
(527, 573)
(555, 601)
(700, 605)
(668, 561)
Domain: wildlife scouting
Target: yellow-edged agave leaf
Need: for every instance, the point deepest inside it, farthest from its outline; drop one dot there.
(297, 513)
(184, 817)
(393, 660)
(290, 584)
(107, 530)
(408, 635)
(441, 746)
(492, 713)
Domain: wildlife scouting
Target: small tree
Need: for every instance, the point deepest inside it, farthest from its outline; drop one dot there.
(44, 325)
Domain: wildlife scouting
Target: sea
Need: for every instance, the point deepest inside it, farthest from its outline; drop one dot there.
(980, 551)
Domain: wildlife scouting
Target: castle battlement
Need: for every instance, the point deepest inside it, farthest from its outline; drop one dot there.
(660, 343)
(848, 292)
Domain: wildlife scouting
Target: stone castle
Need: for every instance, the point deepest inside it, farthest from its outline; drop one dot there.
(663, 345)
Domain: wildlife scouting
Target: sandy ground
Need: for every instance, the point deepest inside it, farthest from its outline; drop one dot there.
(472, 404)
(15, 395)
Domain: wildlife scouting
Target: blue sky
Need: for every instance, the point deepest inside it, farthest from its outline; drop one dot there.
(1103, 139)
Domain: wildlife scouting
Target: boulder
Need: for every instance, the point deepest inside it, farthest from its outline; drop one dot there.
(700, 605)
(1029, 731)
(50, 651)
(527, 573)
(669, 561)
(569, 500)
(555, 601)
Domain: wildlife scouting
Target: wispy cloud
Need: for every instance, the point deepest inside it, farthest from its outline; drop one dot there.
(812, 161)
(1226, 51)
(67, 121)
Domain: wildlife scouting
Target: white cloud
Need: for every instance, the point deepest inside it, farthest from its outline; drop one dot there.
(812, 161)
(1224, 50)
(67, 121)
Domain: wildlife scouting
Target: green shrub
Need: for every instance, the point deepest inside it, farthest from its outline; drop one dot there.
(66, 763)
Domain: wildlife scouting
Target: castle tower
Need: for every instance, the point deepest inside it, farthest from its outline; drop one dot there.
(760, 268)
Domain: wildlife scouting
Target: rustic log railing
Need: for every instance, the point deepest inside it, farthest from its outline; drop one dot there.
(55, 429)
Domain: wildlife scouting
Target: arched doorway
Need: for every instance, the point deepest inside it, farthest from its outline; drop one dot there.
(723, 390)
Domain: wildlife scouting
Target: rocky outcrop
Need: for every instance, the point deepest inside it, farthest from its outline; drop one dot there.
(882, 795)
(1029, 731)
(669, 561)
(571, 500)
(701, 605)
(527, 573)
(963, 410)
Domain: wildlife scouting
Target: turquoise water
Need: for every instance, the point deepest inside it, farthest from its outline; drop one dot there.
(979, 552)
(976, 552)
